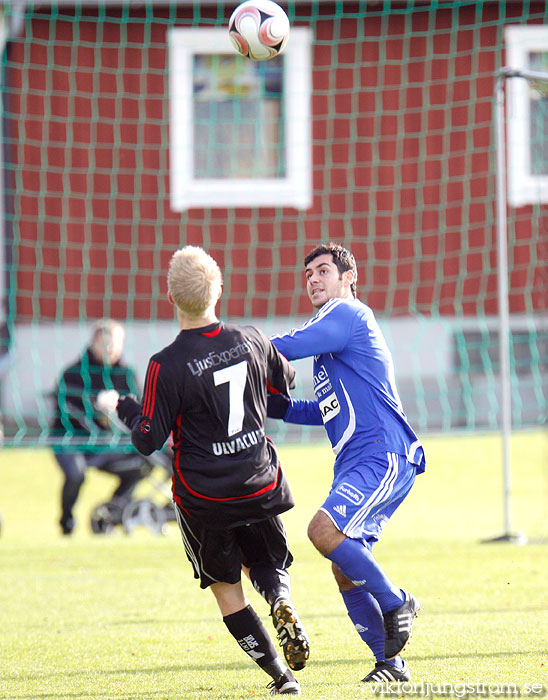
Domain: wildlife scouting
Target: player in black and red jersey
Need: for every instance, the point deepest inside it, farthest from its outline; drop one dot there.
(209, 390)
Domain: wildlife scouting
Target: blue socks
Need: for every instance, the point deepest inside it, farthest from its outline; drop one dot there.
(358, 564)
(365, 613)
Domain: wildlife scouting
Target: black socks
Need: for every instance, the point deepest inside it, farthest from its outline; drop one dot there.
(270, 583)
(248, 630)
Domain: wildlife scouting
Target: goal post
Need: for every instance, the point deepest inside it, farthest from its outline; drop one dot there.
(505, 74)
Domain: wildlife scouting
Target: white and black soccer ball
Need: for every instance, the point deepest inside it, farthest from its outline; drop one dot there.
(259, 29)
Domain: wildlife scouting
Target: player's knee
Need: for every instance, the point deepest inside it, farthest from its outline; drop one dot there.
(312, 531)
(323, 534)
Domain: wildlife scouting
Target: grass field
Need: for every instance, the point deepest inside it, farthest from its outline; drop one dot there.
(98, 618)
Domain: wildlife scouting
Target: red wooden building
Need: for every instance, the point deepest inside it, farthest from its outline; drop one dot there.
(403, 165)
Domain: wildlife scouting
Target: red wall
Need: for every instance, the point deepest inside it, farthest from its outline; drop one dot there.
(403, 168)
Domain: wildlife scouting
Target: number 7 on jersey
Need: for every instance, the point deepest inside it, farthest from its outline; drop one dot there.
(236, 376)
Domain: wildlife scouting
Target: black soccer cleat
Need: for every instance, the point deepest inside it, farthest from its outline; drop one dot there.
(385, 673)
(286, 684)
(398, 624)
(291, 634)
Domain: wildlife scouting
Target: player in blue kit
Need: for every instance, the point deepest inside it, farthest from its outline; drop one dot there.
(377, 452)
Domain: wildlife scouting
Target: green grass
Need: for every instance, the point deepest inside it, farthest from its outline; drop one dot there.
(99, 618)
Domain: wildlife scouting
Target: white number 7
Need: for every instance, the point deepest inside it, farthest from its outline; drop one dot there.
(236, 376)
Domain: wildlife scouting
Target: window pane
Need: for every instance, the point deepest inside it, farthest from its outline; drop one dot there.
(238, 120)
(539, 116)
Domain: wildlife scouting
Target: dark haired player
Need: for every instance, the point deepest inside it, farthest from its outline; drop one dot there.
(209, 389)
(377, 452)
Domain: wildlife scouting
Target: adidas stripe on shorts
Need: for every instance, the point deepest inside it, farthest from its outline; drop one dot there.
(217, 555)
(363, 499)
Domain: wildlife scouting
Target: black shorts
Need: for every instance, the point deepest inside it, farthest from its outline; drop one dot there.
(217, 555)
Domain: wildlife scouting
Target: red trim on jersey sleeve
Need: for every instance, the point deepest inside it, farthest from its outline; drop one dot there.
(177, 432)
(212, 334)
(260, 492)
(271, 389)
(150, 390)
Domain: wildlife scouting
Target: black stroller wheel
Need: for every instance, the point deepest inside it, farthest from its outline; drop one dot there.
(104, 518)
(143, 512)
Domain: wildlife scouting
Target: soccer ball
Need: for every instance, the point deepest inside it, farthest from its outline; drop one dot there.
(259, 29)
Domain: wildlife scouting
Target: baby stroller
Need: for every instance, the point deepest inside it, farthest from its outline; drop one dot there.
(147, 510)
(155, 471)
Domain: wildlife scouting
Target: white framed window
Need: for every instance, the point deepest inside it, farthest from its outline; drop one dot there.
(240, 130)
(527, 115)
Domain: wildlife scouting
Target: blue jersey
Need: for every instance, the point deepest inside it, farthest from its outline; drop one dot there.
(354, 384)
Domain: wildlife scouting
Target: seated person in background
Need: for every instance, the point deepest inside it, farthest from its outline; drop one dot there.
(99, 372)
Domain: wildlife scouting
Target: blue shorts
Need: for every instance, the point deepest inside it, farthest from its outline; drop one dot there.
(363, 499)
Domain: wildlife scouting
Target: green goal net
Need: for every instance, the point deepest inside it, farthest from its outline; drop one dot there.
(131, 129)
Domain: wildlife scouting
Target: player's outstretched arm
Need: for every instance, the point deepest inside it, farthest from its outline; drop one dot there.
(281, 374)
(150, 422)
(299, 411)
(328, 331)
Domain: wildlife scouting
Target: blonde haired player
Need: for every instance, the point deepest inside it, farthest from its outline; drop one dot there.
(209, 389)
(194, 284)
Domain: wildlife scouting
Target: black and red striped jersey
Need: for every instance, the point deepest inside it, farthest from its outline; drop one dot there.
(209, 390)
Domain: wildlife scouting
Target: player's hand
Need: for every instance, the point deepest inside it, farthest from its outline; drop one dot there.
(128, 409)
(277, 405)
(106, 401)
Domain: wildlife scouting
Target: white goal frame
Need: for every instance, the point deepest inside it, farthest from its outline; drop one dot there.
(502, 76)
